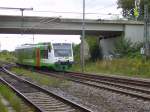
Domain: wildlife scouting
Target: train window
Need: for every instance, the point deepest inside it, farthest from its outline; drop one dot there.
(44, 54)
(62, 50)
(62, 46)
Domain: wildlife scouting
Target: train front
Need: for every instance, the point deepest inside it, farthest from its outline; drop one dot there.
(63, 56)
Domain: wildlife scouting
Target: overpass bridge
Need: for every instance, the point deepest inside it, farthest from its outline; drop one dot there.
(49, 25)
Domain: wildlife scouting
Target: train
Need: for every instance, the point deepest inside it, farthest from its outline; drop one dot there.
(54, 56)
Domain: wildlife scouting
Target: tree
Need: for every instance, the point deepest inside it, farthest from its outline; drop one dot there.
(128, 8)
(76, 52)
(94, 48)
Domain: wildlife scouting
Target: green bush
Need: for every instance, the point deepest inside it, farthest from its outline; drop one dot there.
(94, 48)
(7, 56)
(126, 48)
(76, 52)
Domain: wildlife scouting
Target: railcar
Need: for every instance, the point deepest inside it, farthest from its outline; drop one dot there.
(57, 56)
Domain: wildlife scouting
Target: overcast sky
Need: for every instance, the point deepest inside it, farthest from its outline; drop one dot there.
(55, 8)
(103, 7)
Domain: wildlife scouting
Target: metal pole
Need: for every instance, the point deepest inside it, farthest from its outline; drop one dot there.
(22, 15)
(21, 11)
(146, 33)
(83, 36)
(33, 38)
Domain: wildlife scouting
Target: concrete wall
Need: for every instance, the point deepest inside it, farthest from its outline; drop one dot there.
(134, 32)
(107, 45)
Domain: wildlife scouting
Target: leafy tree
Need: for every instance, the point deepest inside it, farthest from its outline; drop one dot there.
(94, 48)
(7, 56)
(76, 52)
(128, 8)
(5, 52)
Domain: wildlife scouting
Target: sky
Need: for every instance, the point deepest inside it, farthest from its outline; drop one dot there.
(95, 9)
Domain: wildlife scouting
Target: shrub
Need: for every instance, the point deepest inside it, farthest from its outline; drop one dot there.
(126, 48)
(94, 48)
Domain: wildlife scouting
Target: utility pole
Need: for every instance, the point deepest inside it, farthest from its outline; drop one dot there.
(83, 36)
(33, 38)
(146, 32)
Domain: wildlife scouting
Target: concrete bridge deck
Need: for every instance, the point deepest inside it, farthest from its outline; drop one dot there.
(49, 25)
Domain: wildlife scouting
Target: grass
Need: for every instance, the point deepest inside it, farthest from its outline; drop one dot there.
(11, 97)
(41, 79)
(125, 67)
(7, 57)
(3, 108)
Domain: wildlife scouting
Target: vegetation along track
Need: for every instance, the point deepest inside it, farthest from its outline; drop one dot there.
(132, 87)
(41, 99)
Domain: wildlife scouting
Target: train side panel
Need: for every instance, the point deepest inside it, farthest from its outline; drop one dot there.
(26, 56)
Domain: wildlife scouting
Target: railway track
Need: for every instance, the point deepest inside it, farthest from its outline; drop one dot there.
(139, 89)
(131, 81)
(41, 99)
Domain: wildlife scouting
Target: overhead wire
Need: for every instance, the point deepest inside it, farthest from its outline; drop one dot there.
(75, 12)
(72, 12)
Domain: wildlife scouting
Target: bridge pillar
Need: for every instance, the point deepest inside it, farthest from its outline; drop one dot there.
(107, 46)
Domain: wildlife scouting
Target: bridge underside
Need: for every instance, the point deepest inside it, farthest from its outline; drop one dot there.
(106, 34)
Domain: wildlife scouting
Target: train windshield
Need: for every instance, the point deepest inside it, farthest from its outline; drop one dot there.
(62, 50)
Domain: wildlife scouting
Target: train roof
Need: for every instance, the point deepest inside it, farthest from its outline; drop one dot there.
(42, 44)
(32, 45)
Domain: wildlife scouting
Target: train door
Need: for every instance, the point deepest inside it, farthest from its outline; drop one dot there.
(38, 57)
